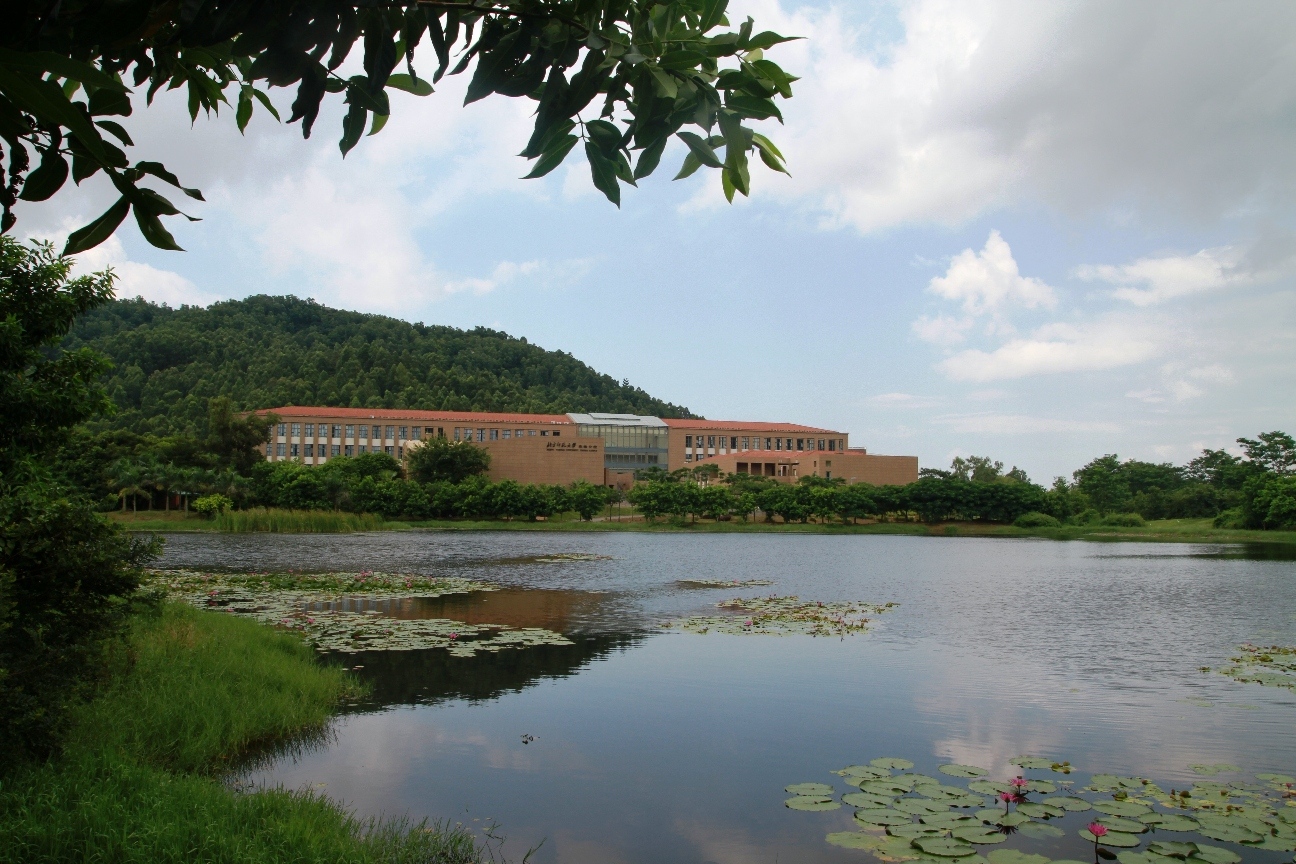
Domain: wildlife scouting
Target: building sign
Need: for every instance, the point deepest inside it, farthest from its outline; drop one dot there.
(570, 447)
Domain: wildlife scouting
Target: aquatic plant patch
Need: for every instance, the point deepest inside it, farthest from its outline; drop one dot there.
(722, 583)
(1271, 666)
(785, 616)
(306, 603)
(903, 815)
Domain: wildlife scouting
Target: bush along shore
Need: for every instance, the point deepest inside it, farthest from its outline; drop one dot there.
(187, 697)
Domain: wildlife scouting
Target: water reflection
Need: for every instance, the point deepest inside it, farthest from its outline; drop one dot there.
(676, 747)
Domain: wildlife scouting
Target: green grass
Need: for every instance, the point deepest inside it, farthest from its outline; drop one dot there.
(297, 521)
(190, 694)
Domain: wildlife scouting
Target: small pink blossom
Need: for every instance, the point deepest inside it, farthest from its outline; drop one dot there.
(1019, 782)
(1097, 829)
(310, 620)
(454, 635)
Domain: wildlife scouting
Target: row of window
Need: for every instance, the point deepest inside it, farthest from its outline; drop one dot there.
(377, 433)
(631, 459)
(308, 451)
(470, 434)
(751, 443)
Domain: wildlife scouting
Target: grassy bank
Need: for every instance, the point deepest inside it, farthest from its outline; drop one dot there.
(258, 519)
(1166, 530)
(188, 695)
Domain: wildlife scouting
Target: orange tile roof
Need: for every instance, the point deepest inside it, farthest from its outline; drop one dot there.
(413, 414)
(743, 426)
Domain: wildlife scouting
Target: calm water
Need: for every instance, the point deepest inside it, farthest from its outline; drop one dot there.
(670, 747)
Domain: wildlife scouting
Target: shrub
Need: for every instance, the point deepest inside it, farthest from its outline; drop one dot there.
(1123, 520)
(212, 505)
(1231, 518)
(1035, 519)
(1085, 517)
(297, 521)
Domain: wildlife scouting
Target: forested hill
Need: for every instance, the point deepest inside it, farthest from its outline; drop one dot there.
(264, 351)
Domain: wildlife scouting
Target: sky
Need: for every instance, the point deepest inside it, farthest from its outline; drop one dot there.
(1038, 232)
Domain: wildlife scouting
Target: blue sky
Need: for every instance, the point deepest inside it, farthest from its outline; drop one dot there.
(1037, 232)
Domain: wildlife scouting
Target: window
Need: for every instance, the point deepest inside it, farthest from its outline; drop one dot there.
(556, 433)
(800, 444)
(310, 450)
(391, 433)
(767, 444)
(544, 433)
(531, 432)
(430, 432)
(508, 433)
(733, 442)
(336, 450)
(337, 431)
(376, 432)
(350, 431)
(387, 450)
(279, 450)
(295, 452)
(416, 433)
(688, 457)
(688, 440)
(841, 445)
(494, 434)
(404, 433)
(481, 434)
(831, 442)
(310, 430)
(821, 443)
(778, 443)
(282, 429)
(364, 448)
(456, 433)
(269, 450)
(400, 452)
(350, 449)
(295, 428)
(744, 443)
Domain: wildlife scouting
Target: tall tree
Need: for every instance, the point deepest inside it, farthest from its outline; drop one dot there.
(620, 77)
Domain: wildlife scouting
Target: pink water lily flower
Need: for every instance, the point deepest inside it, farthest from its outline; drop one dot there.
(1019, 782)
(1097, 829)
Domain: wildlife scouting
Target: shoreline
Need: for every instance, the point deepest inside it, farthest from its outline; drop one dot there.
(1163, 531)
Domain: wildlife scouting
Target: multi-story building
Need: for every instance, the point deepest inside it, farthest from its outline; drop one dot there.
(599, 448)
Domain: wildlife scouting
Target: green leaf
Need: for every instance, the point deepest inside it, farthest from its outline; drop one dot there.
(552, 157)
(48, 178)
(158, 170)
(39, 62)
(379, 121)
(99, 230)
(691, 165)
(666, 86)
(417, 86)
(105, 101)
(244, 111)
(606, 135)
(649, 157)
(755, 107)
(47, 101)
(712, 13)
(153, 229)
(265, 101)
(117, 130)
(700, 150)
(726, 183)
(357, 91)
(766, 39)
(353, 126)
(603, 172)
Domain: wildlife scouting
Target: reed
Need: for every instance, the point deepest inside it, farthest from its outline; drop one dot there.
(297, 521)
(187, 696)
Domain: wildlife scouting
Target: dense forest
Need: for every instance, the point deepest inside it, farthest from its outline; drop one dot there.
(263, 352)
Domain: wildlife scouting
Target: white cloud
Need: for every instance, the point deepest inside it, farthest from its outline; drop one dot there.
(1020, 424)
(1153, 280)
(942, 329)
(504, 273)
(1144, 109)
(989, 280)
(1056, 348)
(902, 400)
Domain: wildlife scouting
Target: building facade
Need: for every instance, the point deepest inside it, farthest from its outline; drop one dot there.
(598, 448)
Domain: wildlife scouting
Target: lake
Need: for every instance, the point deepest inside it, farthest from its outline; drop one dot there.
(664, 746)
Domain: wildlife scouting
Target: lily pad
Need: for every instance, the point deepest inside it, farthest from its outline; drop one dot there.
(1040, 810)
(1031, 762)
(988, 787)
(1042, 786)
(785, 616)
(809, 789)
(920, 806)
(1230, 833)
(882, 817)
(948, 820)
(1271, 843)
(980, 835)
(891, 762)
(1071, 803)
(1276, 778)
(1116, 839)
(853, 840)
(1169, 822)
(885, 787)
(966, 801)
(1015, 856)
(864, 799)
(962, 770)
(811, 803)
(914, 830)
(1039, 831)
(1128, 826)
(864, 771)
(1215, 854)
(1172, 849)
(944, 847)
(1212, 770)
(1121, 808)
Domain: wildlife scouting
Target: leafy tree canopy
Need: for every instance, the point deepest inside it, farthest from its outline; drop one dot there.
(443, 459)
(264, 352)
(620, 77)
